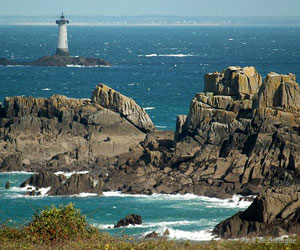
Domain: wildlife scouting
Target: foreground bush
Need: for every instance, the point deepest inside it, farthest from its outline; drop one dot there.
(58, 224)
(65, 228)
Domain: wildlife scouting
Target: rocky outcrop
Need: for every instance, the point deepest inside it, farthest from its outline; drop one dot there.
(243, 135)
(152, 235)
(65, 134)
(132, 219)
(76, 184)
(59, 61)
(60, 185)
(44, 179)
(274, 213)
(239, 138)
(127, 107)
(280, 91)
(234, 81)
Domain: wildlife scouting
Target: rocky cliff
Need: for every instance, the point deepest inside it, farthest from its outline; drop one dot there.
(243, 133)
(240, 138)
(275, 212)
(60, 133)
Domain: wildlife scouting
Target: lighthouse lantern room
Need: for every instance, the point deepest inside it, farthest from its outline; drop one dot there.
(62, 44)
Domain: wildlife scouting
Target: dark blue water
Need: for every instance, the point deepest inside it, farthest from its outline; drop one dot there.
(185, 216)
(160, 67)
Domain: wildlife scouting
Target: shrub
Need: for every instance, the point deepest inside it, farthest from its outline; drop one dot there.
(58, 224)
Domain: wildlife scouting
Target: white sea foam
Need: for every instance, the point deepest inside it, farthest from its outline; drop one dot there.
(234, 202)
(81, 195)
(82, 66)
(69, 174)
(17, 172)
(29, 188)
(160, 126)
(149, 108)
(167, 55)
(160, 224)
(202, 235)
(119, 194)
(46, 89)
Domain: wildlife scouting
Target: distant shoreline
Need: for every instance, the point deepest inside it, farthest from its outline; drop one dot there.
(153, 25)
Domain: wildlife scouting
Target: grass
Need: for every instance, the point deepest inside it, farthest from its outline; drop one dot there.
(65, 228)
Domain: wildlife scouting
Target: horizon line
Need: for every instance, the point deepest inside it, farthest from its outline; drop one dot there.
(152, 15)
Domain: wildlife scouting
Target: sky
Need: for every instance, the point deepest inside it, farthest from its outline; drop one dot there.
(152, 7)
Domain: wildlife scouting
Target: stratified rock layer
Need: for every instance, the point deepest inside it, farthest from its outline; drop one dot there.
(243, 135)
(63, 133)
(127, 107)
(275, 212)
(238, 141)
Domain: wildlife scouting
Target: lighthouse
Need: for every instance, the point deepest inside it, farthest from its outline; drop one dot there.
(62, 44)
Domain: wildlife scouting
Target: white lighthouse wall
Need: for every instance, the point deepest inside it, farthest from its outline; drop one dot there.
(62, 37)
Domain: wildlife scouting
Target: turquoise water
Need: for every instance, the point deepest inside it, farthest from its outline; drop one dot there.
(185, 216)
(161, 68)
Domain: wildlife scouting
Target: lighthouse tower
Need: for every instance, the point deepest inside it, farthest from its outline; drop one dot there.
(62, 44)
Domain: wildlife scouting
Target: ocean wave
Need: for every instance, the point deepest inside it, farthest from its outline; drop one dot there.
(69, 174)
(82, 195)
(46, 89)
(167, 55)
(17, 66)
(202, 235)
(234, 202)
(149, 108)
(159, 224)
(82, 66)
(18, 172)
(160, 126)
(29, 188)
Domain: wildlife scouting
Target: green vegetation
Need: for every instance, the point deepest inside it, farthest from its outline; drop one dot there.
(65, 228)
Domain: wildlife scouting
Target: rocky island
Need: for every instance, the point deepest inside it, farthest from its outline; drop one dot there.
(62, 57)
(59, 61)
(241, 136)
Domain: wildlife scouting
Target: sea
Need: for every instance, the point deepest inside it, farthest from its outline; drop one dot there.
(161, 68)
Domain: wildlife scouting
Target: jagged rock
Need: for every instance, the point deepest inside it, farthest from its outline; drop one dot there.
(166, 232)
(280, 91)
(11, 161)
(7, 185)
(234, 81)
(273, 213)
(76, 184)
(152, 235)
(111, 99)
(43, 179)
(55, 60)
(131, 219)
(64, 133)
(244, 141)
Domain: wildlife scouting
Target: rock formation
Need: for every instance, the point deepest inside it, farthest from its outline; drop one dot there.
(76, 184)
(243, 135)
(113, 100)
(64, 134)
(275, 212)
(240, 138)
(59, 61)
(132, 219)
(60, 185)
